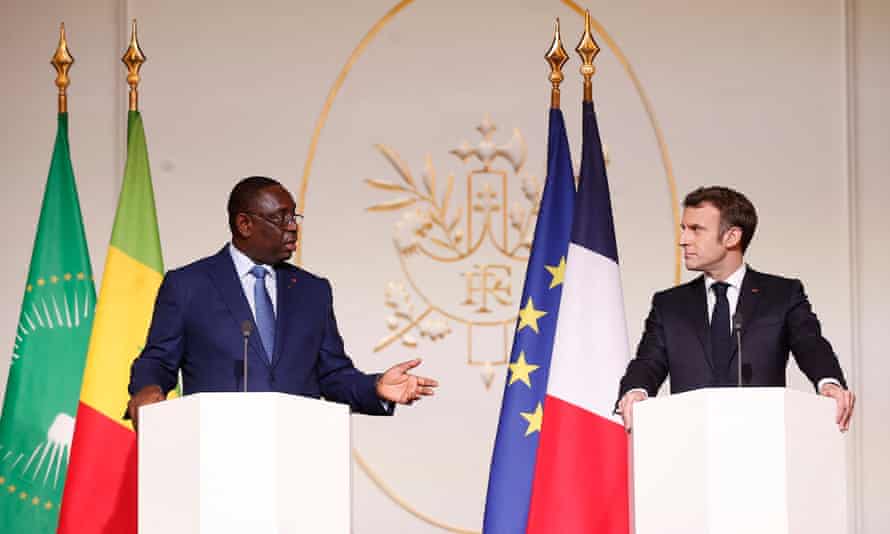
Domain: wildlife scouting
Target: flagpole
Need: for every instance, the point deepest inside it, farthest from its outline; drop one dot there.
(62, 61)
(133, 58)
(556, 56)
(587, 49)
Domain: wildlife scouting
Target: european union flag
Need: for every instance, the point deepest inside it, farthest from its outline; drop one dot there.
(513, 461)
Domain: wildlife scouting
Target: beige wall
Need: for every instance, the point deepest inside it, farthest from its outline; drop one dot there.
(785, 101)
(870, 169)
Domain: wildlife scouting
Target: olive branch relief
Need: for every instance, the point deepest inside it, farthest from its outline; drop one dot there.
(430, 221)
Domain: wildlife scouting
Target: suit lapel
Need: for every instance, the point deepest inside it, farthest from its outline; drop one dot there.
(283, 304)
(225, 279)
(697, 314)
(749, 298)
(294, 316)
(289, 315)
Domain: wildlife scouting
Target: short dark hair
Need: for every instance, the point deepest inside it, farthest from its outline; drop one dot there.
(243, 193)
(735, 209)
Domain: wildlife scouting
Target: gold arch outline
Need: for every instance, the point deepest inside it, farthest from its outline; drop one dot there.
(313, 146)
(329, 103)
(656, 127)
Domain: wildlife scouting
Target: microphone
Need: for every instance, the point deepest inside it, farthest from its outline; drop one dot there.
(737, 332)
(246, 330)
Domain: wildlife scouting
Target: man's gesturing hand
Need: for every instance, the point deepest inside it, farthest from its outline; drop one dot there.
(625, 406)
(398, 385)
(845, 402)
(146, 395)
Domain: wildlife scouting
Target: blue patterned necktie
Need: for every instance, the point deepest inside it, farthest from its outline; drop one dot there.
(265, 314)
(721, 337)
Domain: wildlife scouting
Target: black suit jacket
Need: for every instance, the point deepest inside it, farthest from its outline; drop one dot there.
(777, 319)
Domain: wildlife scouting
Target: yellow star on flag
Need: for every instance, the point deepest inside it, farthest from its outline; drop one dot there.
(534, 420)
(520, 370)
(557, 271)
(529, 316)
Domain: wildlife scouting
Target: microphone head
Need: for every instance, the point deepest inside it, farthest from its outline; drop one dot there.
(246, 328)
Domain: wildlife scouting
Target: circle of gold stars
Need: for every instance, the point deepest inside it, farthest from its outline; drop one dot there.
(54, 279)
(521, 369)
(24, 497)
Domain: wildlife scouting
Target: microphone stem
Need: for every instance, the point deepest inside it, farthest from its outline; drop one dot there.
(245, 364)
(738, 337)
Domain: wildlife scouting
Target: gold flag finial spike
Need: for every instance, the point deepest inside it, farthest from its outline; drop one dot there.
(556, 56)
(133, 59)
(587, 49)
(62, 61)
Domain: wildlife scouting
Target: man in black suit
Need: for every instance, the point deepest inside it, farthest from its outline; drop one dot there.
(689, 332)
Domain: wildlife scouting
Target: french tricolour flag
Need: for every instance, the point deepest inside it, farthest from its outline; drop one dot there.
(581, 473)
(560, 458)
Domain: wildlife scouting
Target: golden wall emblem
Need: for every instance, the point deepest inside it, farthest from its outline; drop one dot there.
(462, 245)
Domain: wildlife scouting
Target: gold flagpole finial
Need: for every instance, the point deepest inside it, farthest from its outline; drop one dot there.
(587, 49)
(556, 56)
(133, 59)
(62, 61)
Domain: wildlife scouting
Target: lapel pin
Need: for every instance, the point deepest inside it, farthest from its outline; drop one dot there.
(755, 290)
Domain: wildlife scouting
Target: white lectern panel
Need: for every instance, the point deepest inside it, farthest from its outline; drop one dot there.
(244, 462)
(738, 460)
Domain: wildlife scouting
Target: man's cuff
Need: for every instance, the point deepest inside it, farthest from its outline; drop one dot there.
(642, 390)
(824, 381)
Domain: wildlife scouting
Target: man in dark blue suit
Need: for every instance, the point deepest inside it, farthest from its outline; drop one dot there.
(689, 334)
(204, 311)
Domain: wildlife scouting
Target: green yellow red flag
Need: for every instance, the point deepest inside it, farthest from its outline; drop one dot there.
(100, 496)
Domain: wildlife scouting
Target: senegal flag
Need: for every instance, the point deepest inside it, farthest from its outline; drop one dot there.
(47, 357)
(100, 496)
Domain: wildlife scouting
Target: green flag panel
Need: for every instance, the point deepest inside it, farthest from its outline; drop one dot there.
(49, 351)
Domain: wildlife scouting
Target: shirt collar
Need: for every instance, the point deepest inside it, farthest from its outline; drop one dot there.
(734, 280)
(243, 264)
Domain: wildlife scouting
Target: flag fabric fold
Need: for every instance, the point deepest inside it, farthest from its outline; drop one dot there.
(100, 496)
(581, 475)
(519, 427)
(48, 356)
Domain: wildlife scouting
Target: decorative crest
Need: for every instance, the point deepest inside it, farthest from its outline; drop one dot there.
(514, 151)
(556, 57)
(587, 49)
(133, 58)
(62, 61)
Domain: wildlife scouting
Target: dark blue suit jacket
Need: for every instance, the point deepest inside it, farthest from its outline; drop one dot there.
(196, 327)
(777, 319)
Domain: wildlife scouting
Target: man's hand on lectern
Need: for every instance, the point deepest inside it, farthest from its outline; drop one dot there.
(845, 401)
(146, 395)
(625, 406)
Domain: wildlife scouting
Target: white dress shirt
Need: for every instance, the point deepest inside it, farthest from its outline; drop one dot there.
(732, 292)
(243, 265)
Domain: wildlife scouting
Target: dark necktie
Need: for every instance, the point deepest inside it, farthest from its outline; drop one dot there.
(265, 314)
(721, 338)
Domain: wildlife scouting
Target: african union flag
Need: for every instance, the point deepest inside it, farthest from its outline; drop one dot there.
(47, 357)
